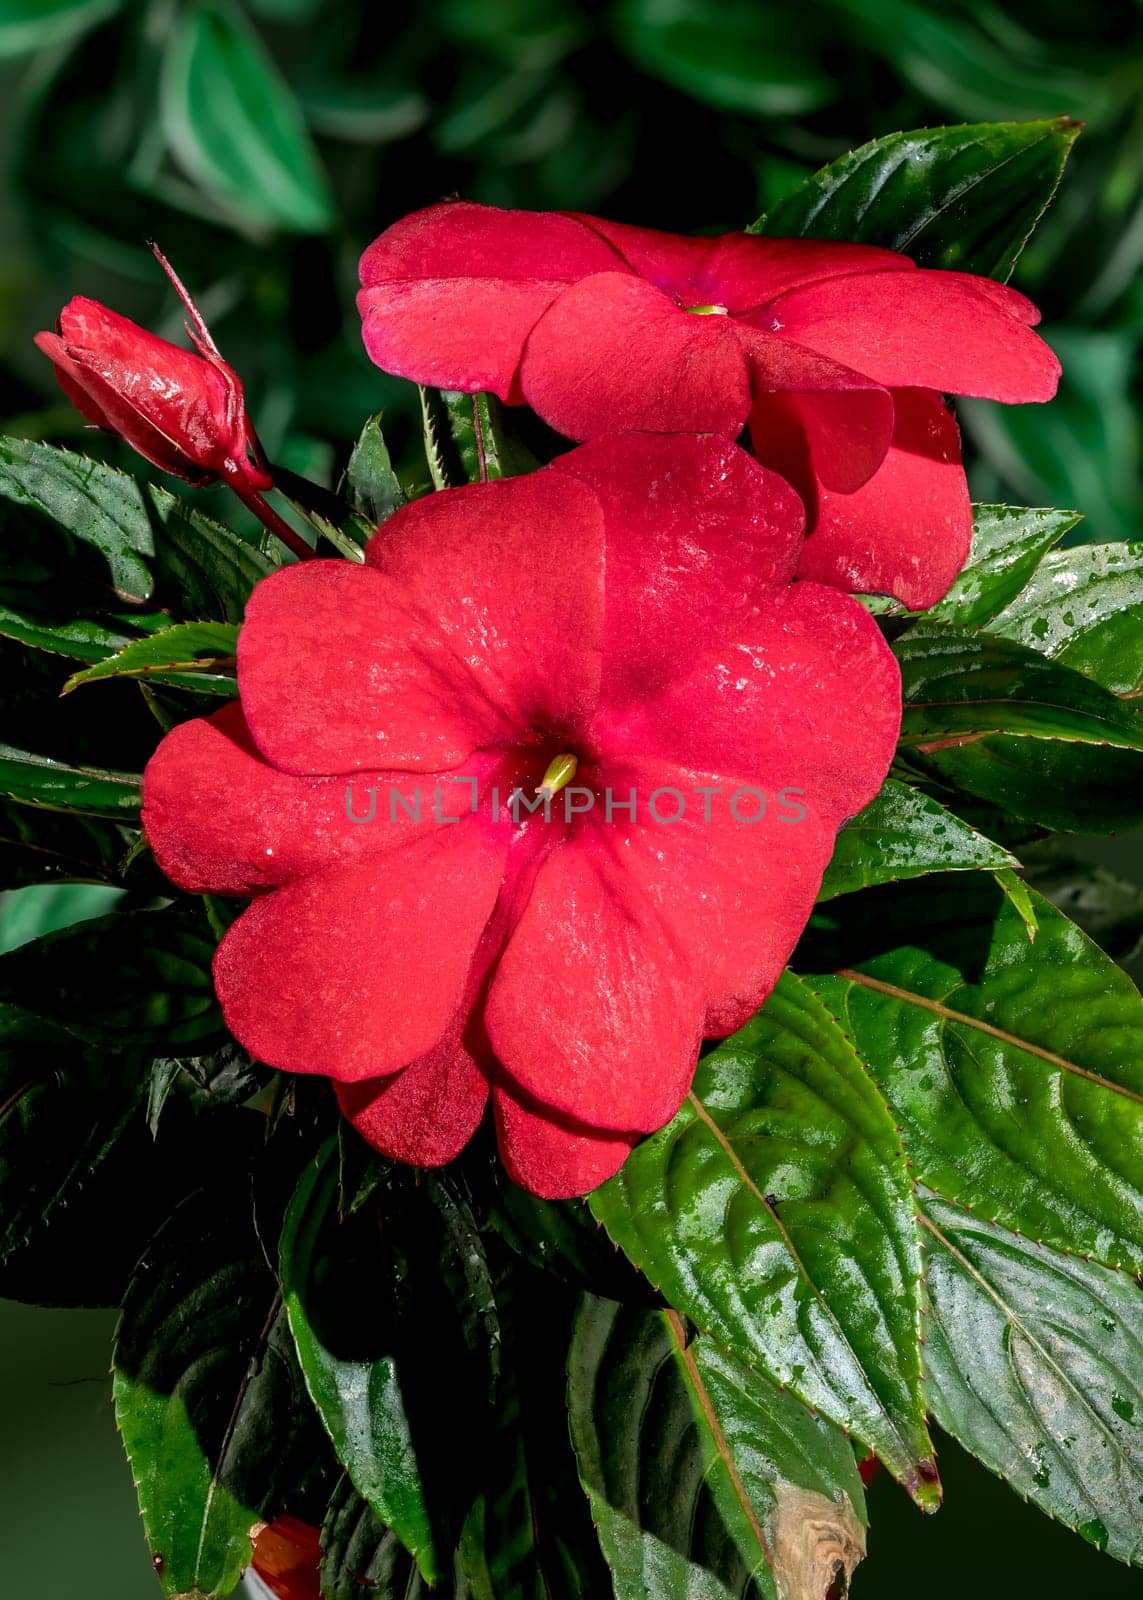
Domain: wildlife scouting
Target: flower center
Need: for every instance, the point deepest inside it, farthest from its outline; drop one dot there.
(560, 772)
(707, 311)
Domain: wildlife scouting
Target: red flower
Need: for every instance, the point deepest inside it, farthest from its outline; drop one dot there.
(834, 353)
(629, 606)
(182, 410)
(287, 1557)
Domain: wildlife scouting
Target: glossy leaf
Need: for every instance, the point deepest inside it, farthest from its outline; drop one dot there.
(374, 489)
(960, 197)
(139, 978)
(142, 542)
(988, 716)
(735, 54)
(905, 834)
(364, 1560)
(705, 1479)
(39, 781)
(198, 655)
(775, 1213)
(234, 125)
(214, 1416)
(1109, 909)
(82, 638)
(1014, 1070)
(391, 1386)
(468, 439)
(1084, 607)
(1034, 1363)
(1008, 544)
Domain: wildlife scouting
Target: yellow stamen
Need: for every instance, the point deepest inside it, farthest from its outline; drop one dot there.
(561, 771)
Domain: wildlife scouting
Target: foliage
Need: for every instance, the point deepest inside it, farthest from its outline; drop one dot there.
(935, 1123)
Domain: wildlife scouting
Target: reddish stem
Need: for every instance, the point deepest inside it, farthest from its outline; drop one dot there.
(269, 518)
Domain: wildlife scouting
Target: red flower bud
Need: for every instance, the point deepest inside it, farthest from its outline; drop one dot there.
(182, 410)
(287, 1555)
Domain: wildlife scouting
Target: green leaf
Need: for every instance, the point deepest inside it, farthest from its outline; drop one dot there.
(83, 638)
(374, 489)
(905, 834)
(39, 781)
(467, 439)
(198, 655)
(363, 1560)
(705, 1479)
(1016, 890)
(963, 197)
(42, 847)
(133, 978)
(390, 1390)
(234, 126)
(30, 25)
(1084, 607)
(1001, 722)
(1034, 1363)
(1008, 544)
(71, 513)
(737, 54)
(214, 1416)
(1014, 1070)
(64, 1110)
(775, 1212)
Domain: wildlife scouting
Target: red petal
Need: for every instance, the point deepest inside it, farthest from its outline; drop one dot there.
(357, 971)
(220, 819)
(592, 1011)
(735, 270)
(340, 671)
(451, 293)
(694, 527)
(556, 1159)
(809, 697)
(847, 419)
(907, 532)
(925, 329)
(614, 353)
(512, 575)
(426, 1114)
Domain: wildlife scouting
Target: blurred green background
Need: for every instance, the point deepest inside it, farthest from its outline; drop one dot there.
(264, 145)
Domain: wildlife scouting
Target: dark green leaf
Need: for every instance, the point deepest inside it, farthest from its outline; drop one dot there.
(143, 543)
(198, 655)
(1007, 545)
(39, 846)
(374, 489)
(1033, 1362)
(29, 25)
(83, 638)
(234, 125)
(705, 1479)
(364, 1560)
(1107, 908)
(39, 781)
(738, 54)
(1084, 607)
(905, 834)
(208, 1397)
(468, 440)
(133, 978)
(962, 197)
(775, 1212)
(1001, 722)
(393, 1384)
(1015, 1070)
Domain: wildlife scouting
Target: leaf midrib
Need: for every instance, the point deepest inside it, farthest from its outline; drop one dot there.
(949, 1015)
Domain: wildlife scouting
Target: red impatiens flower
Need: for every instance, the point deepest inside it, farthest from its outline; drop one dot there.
(182, 410)
(287, 1558)
(834, 354)
(628, 609)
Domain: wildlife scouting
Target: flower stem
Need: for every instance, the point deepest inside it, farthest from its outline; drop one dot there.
(269, 518)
